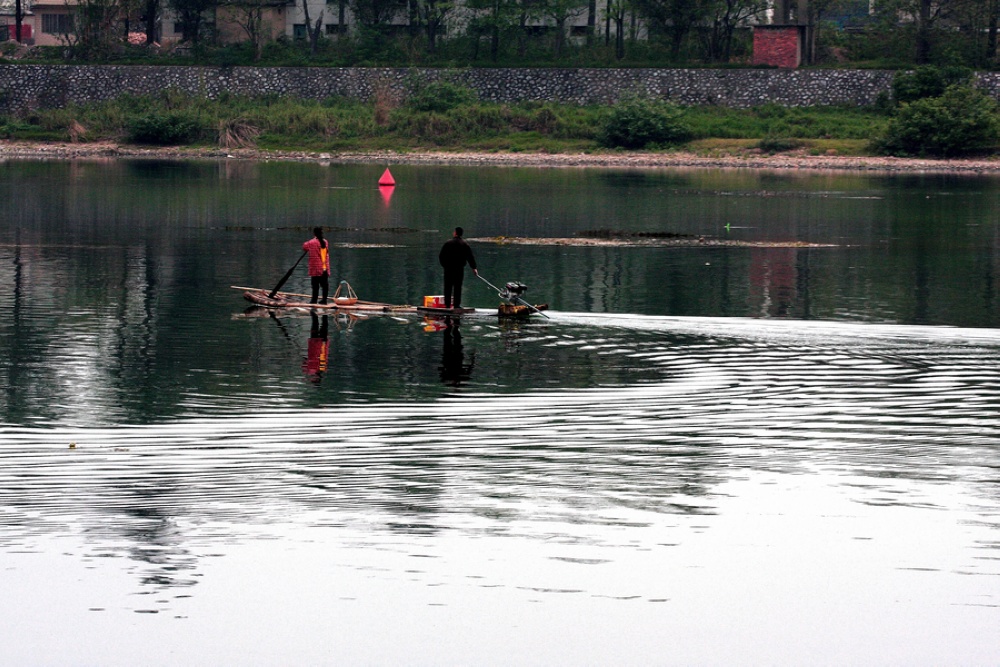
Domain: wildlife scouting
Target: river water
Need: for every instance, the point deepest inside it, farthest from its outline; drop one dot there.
(784, 452)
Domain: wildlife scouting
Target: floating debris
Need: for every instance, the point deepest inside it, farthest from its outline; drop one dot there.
(648, 242)
(618, 234)
(303, 228)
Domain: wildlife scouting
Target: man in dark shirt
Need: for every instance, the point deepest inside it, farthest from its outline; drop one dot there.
(454, 255)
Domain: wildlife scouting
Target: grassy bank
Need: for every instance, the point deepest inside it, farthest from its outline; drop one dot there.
(431, 122)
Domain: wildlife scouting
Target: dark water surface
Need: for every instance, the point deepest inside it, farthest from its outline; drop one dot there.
(707, 455)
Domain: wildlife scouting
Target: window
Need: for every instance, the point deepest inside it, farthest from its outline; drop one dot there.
(299, 31)
(57, 24)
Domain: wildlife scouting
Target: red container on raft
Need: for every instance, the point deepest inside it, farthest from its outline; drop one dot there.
(434, 302)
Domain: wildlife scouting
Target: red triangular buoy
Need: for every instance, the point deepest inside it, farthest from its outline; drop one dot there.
(387, 178)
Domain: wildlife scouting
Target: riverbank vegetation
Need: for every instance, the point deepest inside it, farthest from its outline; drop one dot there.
(935, 113)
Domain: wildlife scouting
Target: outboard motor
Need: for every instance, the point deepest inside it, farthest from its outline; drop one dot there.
(514, 304)
(512, 291)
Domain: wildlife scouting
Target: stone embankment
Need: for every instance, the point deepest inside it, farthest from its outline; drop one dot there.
(54, 86)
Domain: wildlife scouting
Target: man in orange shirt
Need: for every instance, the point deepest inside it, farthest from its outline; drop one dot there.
(319, 264)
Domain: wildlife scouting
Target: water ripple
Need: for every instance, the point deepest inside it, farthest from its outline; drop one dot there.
(906, 403)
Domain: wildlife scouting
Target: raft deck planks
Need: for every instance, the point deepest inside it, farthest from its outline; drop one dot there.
(282, 300)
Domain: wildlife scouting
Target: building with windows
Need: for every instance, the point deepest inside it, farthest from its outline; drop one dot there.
(8, 21)
(43, 22)
(53, 21)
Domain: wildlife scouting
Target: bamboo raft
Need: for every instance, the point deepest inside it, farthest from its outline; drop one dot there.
(351, 304)
(261, 297)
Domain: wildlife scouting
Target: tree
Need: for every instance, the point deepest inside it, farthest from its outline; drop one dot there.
(673, 18)
(925, 16)
(94, 22)
(150, 17)
(816, 13)
(560, 13)
(18, 19)
(191, 15)
(341, 17)
(250, 16)
(314, 32)
(526, 11)
(591, 20)
(927, 19)
(495, 17)
(432, 15)
(726, 16)
(377, 15)
(975, 41)
(994, 21)
(617, 12)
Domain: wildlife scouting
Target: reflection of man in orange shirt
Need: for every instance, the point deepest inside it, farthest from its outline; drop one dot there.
(318, 350)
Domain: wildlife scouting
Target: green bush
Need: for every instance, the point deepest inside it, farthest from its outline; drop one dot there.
(962, 121)
(164, 129)
(637, 122)
(437, 128)
(483, 120)
(771, 111)
(440, 97)
(778, 144)
(11, 127)
(927, 81)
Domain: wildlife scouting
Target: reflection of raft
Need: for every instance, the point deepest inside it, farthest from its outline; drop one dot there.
(441, 311)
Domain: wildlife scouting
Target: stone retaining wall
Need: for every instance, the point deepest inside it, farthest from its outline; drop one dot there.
(25, 87)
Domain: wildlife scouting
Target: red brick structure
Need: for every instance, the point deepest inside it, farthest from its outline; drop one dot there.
(778, 45)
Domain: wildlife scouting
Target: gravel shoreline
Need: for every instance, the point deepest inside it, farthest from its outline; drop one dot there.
(69, 151)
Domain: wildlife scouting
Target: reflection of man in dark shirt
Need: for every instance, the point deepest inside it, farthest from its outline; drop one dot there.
(318, 349)
(454, 370)
(454, 255)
